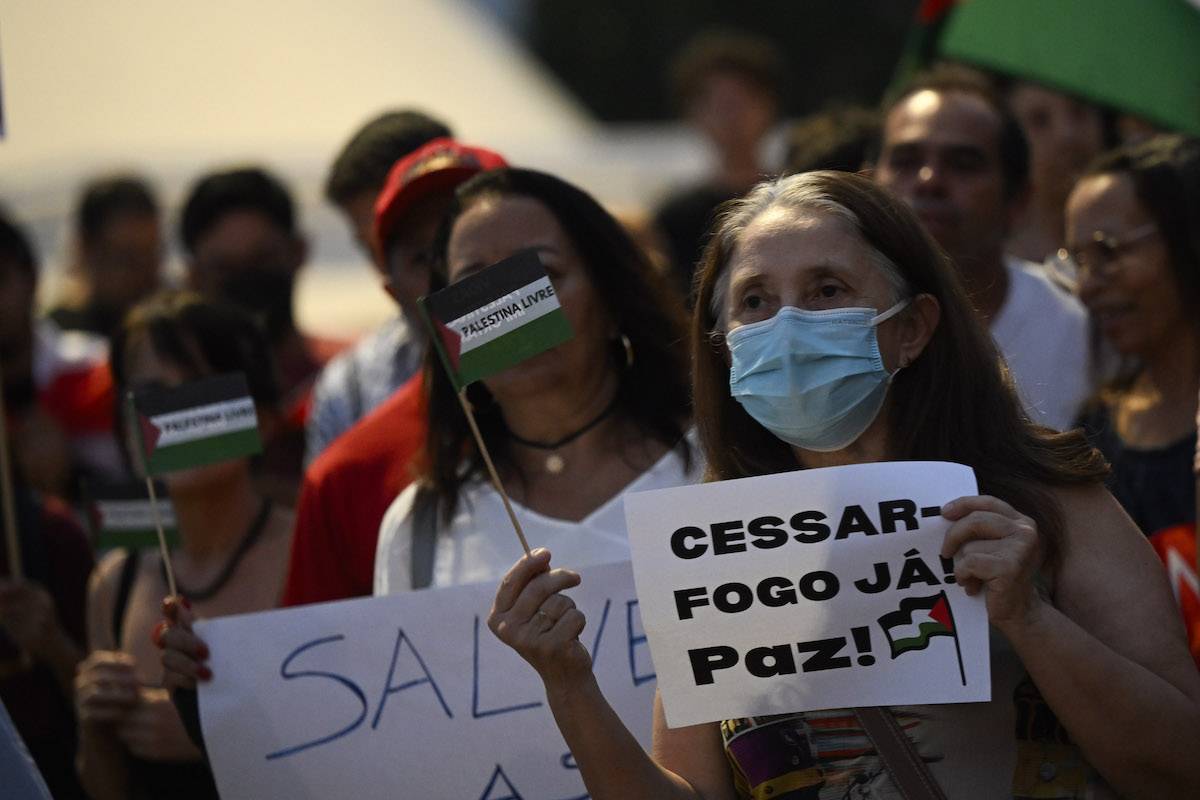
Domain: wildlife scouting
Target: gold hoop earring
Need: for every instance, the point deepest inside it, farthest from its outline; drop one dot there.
(628, 345)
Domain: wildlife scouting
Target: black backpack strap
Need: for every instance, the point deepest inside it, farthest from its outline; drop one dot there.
(424, 537)
(129, 570)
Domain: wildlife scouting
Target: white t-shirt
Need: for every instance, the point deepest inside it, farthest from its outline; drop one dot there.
(1042, 331)
(480, 545)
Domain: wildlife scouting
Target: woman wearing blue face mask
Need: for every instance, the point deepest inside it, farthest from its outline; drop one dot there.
(830, 330)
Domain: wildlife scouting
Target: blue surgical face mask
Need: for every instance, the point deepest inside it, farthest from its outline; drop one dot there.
(815, 379)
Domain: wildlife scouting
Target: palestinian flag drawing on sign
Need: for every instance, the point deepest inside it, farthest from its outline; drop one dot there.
(496, 318)
(123, 516)
(918, 620)
(198, 423)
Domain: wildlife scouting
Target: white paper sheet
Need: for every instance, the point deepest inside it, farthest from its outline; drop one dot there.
(762, 596)
(298, 706)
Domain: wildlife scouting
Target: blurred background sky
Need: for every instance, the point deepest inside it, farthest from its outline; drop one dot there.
(173, 89)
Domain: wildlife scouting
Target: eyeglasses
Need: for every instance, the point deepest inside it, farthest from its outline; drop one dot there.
(1102, 252)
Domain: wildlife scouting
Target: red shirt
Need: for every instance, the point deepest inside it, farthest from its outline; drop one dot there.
(345, 493)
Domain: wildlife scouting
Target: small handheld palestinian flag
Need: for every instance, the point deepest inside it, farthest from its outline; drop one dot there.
(490, 321)
(120, 515)
(197, 423)
(917, 621)
(496, 318)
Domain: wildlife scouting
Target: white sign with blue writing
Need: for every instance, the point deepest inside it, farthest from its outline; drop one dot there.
(407, 696)
(815, 589)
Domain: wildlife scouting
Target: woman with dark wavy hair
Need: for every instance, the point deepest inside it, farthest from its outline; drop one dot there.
(571, 429)
(830, 330)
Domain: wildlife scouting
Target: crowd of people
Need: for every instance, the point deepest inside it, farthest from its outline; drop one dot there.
(1024, 290)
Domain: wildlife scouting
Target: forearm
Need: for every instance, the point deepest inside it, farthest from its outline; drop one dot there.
(1138, 730)
(612, 762)
(100, 762)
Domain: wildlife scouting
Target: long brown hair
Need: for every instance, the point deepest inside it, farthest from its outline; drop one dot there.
(955, 402)
(653, 391)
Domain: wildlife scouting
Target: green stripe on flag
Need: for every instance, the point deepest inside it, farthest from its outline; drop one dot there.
(199, 452)
(921, 640)
(511, 349)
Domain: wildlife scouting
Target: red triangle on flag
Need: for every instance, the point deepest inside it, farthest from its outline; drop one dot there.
(451, 341)
(941, 613)
(150, 434)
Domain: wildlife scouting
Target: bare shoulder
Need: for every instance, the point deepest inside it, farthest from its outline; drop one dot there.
(1099, 533)
(1112, 584)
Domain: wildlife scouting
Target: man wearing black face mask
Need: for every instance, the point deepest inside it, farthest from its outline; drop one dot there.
(239, 230)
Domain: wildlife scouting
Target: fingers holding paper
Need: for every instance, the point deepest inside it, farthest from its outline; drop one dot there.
(996, 549)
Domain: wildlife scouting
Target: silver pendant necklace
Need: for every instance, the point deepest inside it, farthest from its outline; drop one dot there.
(555, 463)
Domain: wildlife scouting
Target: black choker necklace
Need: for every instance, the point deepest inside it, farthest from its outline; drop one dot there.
(253, 534)
(554, 462)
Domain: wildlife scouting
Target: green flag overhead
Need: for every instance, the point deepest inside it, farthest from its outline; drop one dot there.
(194, 424)
(121, 515)
(1138, 56)
(495, 318)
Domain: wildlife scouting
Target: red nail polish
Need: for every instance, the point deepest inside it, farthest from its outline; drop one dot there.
(204, 673)
(202, 651)
(156, 633)
(186, 603)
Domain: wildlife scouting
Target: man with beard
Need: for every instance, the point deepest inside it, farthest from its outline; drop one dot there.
(953, 151)
(239, 230)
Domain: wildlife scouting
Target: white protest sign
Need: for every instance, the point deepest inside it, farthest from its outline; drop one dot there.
(813, 589)
(407, 696)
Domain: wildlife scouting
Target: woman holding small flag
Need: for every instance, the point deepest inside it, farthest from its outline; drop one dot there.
(569, 429)
(233, 541)
(830, 330)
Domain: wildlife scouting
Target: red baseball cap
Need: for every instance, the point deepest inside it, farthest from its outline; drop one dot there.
(438, 165)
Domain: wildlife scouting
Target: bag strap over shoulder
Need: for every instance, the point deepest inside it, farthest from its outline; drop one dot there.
(908, 770)
(424, 538)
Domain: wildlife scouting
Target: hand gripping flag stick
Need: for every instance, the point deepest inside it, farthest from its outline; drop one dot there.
(488, 322)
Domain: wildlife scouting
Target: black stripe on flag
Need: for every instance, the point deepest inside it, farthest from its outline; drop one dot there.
(476, 291)
(153, 401)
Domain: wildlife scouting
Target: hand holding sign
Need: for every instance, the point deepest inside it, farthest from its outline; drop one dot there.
(184, 652)
(994, 547)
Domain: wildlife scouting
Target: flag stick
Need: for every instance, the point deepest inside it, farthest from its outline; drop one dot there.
(487, 459)
(11, 540)
(957, 647)
(162, 536)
